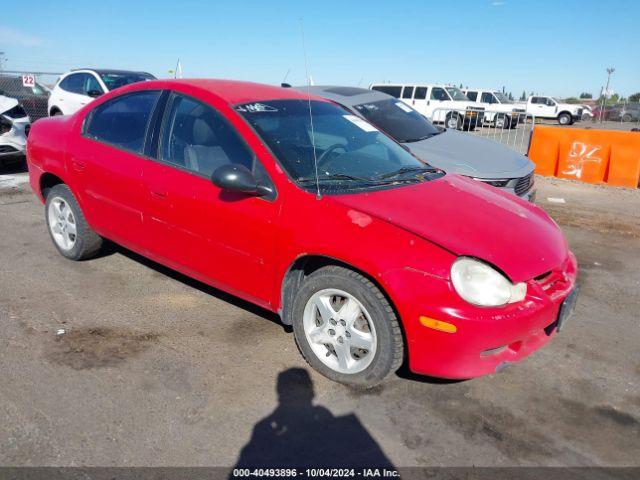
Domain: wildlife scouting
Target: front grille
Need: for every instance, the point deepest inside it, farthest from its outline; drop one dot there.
(524, 184)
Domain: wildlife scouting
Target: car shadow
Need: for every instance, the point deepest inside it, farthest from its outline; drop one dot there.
(299, 434)
(109, 248)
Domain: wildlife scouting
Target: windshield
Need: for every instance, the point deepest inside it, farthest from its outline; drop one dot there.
(115, 80)
(397, 119)
(350, 152)
(456, 94)
(502, 97)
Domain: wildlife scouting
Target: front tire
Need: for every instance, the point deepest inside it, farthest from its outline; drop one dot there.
(503, 122)
(453, 121)
(71, 234)
(345, 327)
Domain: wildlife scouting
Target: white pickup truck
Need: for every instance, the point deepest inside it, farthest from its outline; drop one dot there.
(439, 103)
(550, 108)
(500, 111)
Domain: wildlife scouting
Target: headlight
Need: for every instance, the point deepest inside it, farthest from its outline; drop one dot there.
(479, 284)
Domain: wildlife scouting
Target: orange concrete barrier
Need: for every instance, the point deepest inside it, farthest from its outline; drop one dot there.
(593, 156)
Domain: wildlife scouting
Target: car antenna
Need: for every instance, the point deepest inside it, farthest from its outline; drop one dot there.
(284, 83)
(313, 139)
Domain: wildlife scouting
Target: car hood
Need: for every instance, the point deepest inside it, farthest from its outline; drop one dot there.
(7, 103)
(470, 218)
(467, 154)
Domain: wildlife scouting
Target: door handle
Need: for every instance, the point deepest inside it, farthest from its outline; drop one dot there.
(158, 194)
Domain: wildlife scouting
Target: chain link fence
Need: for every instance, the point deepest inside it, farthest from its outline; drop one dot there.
(30, 89)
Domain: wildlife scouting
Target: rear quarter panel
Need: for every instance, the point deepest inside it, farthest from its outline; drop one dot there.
(47, 151)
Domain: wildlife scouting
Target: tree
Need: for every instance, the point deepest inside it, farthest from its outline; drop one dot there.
(635, 98)
(510, 96)
(523, 97)
(586, 95)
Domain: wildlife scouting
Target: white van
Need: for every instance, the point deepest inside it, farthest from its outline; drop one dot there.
(500, 111)
(439, 103)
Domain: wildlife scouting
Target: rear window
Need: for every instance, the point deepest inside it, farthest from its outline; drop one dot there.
(392, 90)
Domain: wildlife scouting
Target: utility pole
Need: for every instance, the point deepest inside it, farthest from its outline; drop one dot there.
(610, 70)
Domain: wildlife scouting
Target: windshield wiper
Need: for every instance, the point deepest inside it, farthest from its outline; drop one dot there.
(382, 180)
(428, 135)
(336, 176)
(404, 170)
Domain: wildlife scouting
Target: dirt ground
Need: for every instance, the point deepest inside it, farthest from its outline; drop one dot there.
(119, 361)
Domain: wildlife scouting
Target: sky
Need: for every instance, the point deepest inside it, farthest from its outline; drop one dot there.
(550, 47)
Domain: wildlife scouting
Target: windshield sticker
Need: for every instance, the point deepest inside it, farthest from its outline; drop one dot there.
(357, 121)
(403, 106)
(256, 107)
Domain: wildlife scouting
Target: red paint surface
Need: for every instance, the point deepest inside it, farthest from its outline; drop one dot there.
(404, 238)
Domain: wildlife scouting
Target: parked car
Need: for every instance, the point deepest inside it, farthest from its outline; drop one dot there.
(587, 113)
(14, 128)
(365, 250)
(550, 108)
(600, 113)
(500, 110)
(452, 151)
(629, 112)
(439, 103)
(77, 88)
(32, 98)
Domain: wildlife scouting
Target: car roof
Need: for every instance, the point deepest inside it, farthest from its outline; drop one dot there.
(348, 96)
(234, 92)
(107, 71)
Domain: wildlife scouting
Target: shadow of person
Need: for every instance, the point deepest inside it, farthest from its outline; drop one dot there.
(302, 435)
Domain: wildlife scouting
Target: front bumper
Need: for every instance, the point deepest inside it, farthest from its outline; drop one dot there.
(486, 339)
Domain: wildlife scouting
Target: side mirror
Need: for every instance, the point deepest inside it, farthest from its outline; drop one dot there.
(94, 93)
(238, 178)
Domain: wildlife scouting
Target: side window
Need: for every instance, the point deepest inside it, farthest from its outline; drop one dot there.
(473, 96)
(407, 92)
(123, 121)
(74, 83)
(550, 102)
(438, 93)
(388, 89)
(539, 100)
(196, 137)
(421, 93)
(91, 85)
(487, 97)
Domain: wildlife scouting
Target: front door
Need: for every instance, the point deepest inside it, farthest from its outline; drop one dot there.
(420, 100)
(436, 103)
(225, 239)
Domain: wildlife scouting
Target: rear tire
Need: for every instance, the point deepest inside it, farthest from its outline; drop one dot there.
(626, 117)
(69, 231)
(345, 327)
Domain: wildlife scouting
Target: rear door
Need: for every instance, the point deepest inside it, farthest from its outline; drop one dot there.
(223, 238)
(107, 162)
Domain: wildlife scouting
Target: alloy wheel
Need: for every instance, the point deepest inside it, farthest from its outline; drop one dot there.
(340, 331)
(62, 224)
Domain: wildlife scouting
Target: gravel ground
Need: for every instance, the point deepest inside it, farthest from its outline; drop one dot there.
(158, 370)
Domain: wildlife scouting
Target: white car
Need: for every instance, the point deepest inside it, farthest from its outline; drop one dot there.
(550, 108)
(439, 103)
(14, 128)
(77, 88)
(500, 110)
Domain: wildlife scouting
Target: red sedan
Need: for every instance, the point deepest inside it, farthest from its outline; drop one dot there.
(292, 203)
